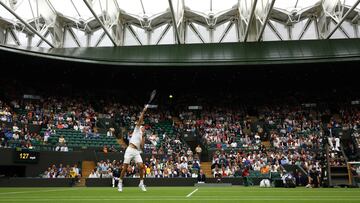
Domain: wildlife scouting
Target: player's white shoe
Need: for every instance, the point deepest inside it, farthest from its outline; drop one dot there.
(142, 187)
(120, 187)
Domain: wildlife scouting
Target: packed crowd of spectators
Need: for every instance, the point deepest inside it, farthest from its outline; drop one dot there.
(220, 127)
(290, 127)
(180, 165)
(55, 114)
(50, 113)
(62, 171)
(297, 136)
(233, 163)
(287, 127)
(21, 135)
(5, 114)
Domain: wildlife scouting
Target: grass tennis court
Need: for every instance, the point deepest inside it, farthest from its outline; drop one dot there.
(180, 194)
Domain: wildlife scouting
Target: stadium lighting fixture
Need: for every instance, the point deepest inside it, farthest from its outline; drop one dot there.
(26, 24)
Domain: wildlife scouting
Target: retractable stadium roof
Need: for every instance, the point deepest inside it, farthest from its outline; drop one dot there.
(99, 23)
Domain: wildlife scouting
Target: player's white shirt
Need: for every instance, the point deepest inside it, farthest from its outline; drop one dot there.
(136, 137)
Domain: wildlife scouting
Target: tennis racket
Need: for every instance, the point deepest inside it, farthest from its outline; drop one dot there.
(152, 96)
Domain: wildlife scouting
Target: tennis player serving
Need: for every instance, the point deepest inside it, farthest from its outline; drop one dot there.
(132, 152)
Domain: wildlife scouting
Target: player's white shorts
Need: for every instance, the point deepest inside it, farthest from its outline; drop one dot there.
(130, 154)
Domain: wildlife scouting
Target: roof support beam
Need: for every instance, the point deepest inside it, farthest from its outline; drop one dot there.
(100, 39)
(14, 36)
(355, 19)
(306, 27)
(134, 34)
(73, 35)
(317, 29)
(272, 27)
(266, 21)
(226, 31)
(343, 19)
(344, 31)
(118, 31)
(99, 21)
(289, 31)
(26, 24)
(237, 28)
(45, 35)
(356, 31)
(193, 28)
(167, 28)
(177, 34)
(341, 28)
(2, 35)
(6, 36)
(252, 14)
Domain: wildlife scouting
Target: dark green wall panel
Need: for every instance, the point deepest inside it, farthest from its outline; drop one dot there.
(277, 52)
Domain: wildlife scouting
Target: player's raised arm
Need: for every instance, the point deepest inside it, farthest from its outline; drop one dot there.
(141, 118)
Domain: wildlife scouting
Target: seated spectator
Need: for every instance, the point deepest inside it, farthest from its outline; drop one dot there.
(313, 178)
(201, 177)
(189, 152)
(76, 127)
(110, 132)
(289, 180)
(47, 134)
(265, 169)
(233, 144)
(107, 174)
(334, 143)
(62, 140)
(94, 174)
(28, 145)
(105, 149)
(154, 139)
(16, 136)
(64, 148)
(198, 150)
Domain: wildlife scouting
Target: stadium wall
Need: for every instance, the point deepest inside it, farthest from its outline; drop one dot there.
(107, 182)
(36, 182)
(159, 182)
(271, 52)
(49, 158)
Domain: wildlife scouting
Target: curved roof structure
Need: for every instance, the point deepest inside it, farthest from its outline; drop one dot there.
(103, 23)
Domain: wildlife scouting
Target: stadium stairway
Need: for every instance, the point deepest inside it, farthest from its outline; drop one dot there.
(87, 167)
(206, 167)
(338, 175)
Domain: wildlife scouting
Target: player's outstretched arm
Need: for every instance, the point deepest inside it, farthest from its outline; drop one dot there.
(141, 118)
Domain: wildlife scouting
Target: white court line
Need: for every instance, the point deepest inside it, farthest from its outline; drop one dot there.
(192, 192)
(37, 191)
(162, 199)
(197, 196)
